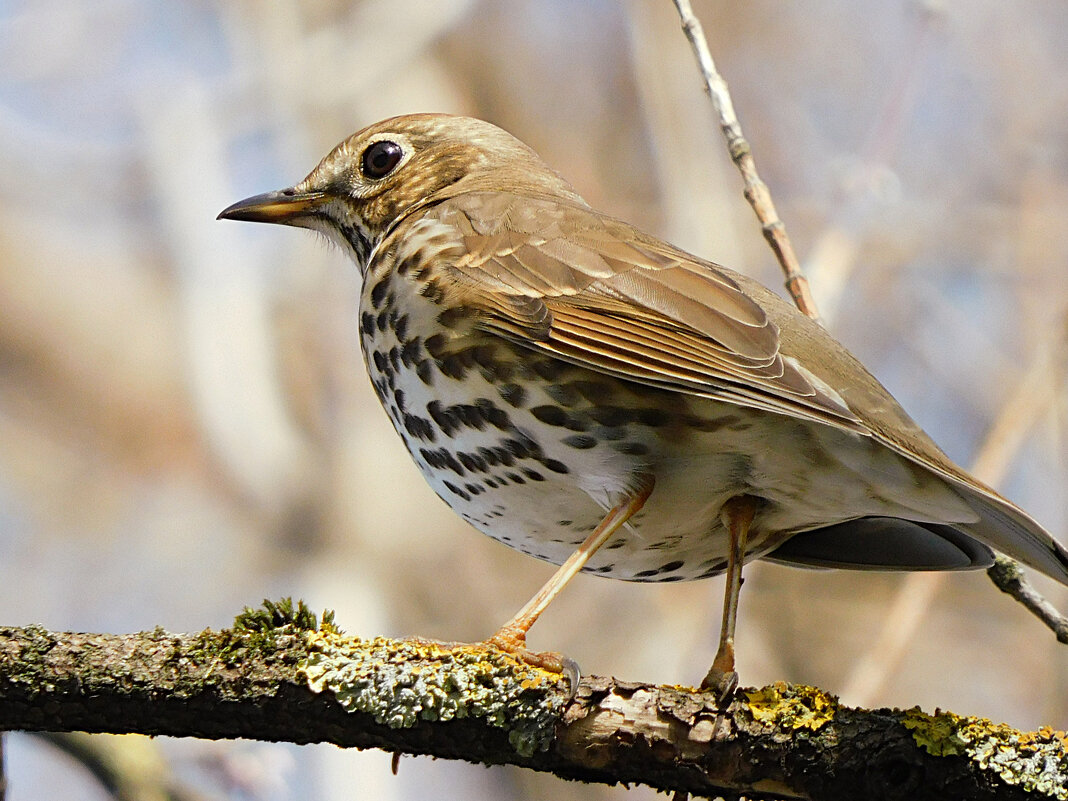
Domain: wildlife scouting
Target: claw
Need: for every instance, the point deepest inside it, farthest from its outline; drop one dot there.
(722, 683)
(513, 642)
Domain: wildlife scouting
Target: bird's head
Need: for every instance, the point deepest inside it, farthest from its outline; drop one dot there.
(389, 169)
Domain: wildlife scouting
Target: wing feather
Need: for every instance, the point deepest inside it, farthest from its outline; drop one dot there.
(557, 276)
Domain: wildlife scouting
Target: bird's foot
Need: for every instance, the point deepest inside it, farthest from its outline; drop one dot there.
(722, 678)
(722, 683)
(513, 641)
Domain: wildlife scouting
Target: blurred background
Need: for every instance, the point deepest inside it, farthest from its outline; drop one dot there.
(185, 422)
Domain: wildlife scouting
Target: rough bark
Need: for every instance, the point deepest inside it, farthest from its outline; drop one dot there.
(307, 685)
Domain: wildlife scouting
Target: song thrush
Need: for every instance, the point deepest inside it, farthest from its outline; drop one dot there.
(592, 396)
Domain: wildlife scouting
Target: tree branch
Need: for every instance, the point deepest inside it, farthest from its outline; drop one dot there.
(304, 684)
(756, 191)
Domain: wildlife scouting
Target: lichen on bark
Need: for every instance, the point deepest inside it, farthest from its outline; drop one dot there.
(400, 682)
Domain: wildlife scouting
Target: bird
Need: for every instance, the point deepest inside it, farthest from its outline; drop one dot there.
(597, 398)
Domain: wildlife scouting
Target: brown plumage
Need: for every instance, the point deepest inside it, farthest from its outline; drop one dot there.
(689, 416)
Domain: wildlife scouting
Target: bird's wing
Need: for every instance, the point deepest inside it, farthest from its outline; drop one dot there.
(560, 278)
(563, 279)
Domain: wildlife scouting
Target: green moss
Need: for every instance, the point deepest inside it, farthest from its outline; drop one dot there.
(403, 682)
(1037, 762)
(283, 614)
(792, 706)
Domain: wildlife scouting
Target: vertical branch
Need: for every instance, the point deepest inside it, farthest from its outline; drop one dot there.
(756, 191)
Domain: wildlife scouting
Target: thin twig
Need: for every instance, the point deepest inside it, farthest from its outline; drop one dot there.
(1009, 577)
(756, 191)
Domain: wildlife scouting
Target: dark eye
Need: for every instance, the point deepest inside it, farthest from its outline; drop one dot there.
(380, 158)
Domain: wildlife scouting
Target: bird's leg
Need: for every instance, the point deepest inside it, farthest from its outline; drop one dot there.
(737, 516)
(512, 636)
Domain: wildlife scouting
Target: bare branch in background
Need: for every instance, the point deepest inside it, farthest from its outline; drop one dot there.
(756, 191)
(130, 769)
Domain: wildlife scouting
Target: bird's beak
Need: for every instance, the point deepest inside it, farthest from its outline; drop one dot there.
(283, 206)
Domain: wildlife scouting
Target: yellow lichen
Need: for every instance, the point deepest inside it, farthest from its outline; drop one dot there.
(1037, 761)
(792, 706)
(400, 682)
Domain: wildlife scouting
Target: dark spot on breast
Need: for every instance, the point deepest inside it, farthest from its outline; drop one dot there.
(472, 462)
(491, 483)
(419, 427)
(367, 323)
(432, 458)
(580, 441)
(446, 421)
(398, 398)
(435, 345)
(425, 370)
(493, 414)
(474, 489)
(549, 369)
(654, 418)
(442, 459)
(452, 317)
(456, 491)
(596, 392)
(564, 523)
(484, 355)
(379, 358)
(432, 292)
(712, 571)
(512, 394)
(452, 366)
(516, 478)
(469, 415)
(379, 290)
(522, 448)
(381, 389)
(610, 434)
(401, 327)
(489, 456)
(555, 466)
(533, 475)
(555, 416)
(412, 350)
(564, 394)
(611, 415)
(632, 448)
(671, 567)
(382, 320)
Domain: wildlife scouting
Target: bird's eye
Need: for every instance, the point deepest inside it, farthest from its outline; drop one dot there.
(380, 158)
